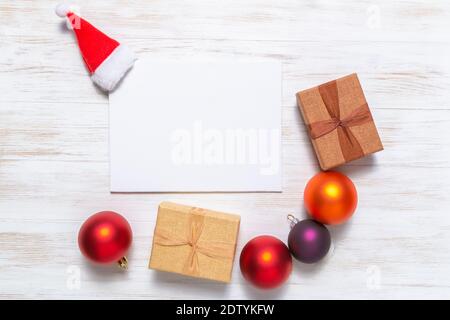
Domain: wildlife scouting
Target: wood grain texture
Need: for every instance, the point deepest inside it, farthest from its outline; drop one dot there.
(54, 144)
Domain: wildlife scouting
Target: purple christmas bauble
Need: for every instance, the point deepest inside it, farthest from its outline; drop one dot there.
(309, 241)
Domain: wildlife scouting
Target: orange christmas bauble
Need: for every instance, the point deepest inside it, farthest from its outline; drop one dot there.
(330, 197)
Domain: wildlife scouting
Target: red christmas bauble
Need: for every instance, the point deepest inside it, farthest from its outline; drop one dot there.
(266, 262)
(330, 197)
(105, 238)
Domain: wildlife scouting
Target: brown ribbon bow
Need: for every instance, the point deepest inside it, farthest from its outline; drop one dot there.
(212, 249)
(350, 147)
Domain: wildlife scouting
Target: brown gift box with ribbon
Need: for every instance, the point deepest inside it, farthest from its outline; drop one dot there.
(195, 242)
(339, 121)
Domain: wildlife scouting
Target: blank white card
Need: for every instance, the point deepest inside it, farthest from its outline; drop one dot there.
(197, 126)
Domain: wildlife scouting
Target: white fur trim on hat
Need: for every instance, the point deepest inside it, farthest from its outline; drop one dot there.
(113, 68)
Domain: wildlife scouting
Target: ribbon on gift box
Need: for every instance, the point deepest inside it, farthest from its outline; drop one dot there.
(350, 147)
(211, 249)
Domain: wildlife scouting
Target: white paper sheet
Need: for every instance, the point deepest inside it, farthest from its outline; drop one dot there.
(197, 126)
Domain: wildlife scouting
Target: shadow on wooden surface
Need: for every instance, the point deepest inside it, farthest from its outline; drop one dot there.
(251, 292)
(195, 286)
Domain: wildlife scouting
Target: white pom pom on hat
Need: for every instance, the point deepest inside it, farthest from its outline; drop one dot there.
(106, 59)
(63, 9)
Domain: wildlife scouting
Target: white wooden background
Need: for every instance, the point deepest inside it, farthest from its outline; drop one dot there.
(54, 144)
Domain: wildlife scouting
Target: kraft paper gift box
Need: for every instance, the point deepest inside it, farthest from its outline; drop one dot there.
(339, 121)
(194, 242)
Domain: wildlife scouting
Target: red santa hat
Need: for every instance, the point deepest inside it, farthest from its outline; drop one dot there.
(106, 59)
